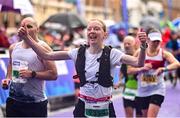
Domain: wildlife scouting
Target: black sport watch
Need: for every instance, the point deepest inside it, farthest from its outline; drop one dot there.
(33, 74)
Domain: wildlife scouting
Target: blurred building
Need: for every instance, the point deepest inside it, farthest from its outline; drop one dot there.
(103, 9)
(171, 8)
(9, 19)
(136, 9)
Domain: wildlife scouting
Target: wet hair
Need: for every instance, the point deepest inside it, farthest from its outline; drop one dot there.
(152, 29)
(102, 23)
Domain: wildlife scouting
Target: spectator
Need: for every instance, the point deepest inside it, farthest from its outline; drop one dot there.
(4, 43)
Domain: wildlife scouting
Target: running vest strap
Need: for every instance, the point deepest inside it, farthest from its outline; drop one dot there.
(104, 77)
(130, 79)
(124, 72)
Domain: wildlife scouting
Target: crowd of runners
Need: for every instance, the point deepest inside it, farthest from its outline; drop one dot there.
(143, 55)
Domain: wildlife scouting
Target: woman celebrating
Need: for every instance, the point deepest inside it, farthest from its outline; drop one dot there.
(94, 66)
(151, 85)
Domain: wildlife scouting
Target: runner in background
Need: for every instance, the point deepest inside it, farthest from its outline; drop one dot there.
(130, 85)
(4, 43)
(151, 85)
(173, 47)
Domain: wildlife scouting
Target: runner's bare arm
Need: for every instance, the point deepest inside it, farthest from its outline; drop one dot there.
(135, 70)
(9, 68)
(41, 51)
(134, 61)
(5, 82)
(173, 62)
(50, 72)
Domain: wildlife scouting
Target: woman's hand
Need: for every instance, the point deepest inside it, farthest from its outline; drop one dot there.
(142, 37)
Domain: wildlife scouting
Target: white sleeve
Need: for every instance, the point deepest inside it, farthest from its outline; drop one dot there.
(73, 54)
(115, 57)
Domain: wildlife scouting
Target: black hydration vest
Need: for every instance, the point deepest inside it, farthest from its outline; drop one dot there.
(124, 72)
(104, 77)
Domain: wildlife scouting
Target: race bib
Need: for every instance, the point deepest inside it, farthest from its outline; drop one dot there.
(17, 65)
(148, 79)
(129, 93)
(97, 109)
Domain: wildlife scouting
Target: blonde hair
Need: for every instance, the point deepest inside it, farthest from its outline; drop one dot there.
(101, 22)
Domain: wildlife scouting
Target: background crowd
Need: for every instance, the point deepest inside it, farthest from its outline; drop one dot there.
(61, 38)
(67, 39)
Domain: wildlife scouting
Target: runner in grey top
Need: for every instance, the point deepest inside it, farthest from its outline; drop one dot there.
(22, 89)
(26, 74)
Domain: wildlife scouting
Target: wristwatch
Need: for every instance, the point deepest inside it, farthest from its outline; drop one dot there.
(33, 74)
(144, 46)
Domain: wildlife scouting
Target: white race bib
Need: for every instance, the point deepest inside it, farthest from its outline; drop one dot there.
(148, 79)
(97, 109)
(129, 93)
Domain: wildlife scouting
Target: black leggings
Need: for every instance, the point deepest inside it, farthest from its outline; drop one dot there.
(80, 109)
(20, 109)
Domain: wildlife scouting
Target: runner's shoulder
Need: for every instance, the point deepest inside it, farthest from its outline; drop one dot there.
(11, 47)
(45, 45)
